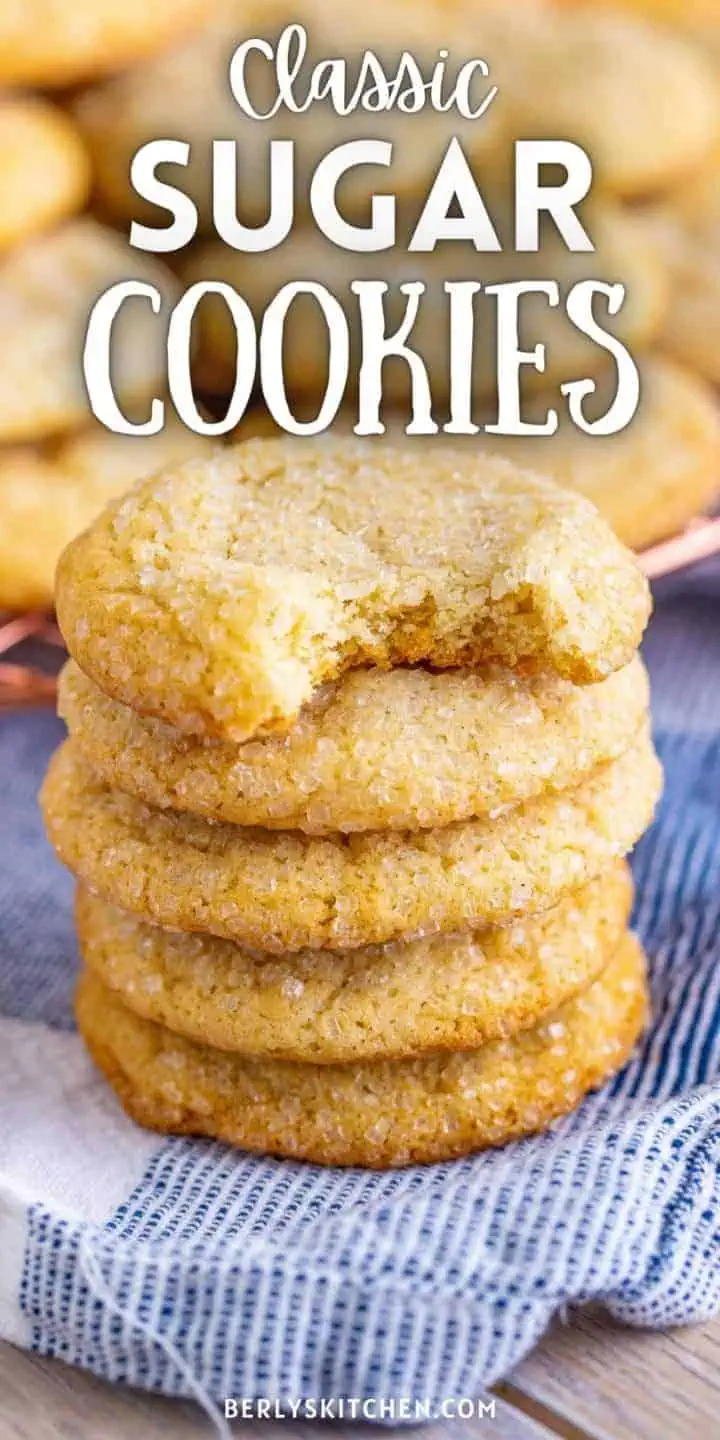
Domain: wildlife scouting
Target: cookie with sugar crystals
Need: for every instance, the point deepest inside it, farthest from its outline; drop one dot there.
(381, 1113)
(403, 749)
(47, 290)
(221, 594)
(37, 139)
(281, 890)
(51, 43)
(452, 992)
(50, 492)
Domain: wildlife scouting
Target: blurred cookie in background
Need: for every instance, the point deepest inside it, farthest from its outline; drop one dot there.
(654, 476)
(697, 18)
(707, 34)
(696, 203)
(642, 101)
(49, 493)
(667, 11)
(623, 253)
(595, 76)
(685, 230)
(44, 167)
(47, 289)
(48, 43)
(690, 333)
(581, 71)
(185, 94)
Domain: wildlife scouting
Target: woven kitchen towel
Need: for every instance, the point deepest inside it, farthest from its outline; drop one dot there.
(190, 1269)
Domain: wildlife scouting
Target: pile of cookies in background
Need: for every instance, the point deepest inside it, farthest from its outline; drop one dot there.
(639, 89)
(358, 744)
(57, 465)
(642, 97)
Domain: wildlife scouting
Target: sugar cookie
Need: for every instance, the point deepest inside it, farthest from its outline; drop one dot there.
(47, 289)
(379, 1114)
(647, 481)
(52, 43)
(610, 81)
(652, 478)
(185, 94)
(278, 890)
(49, 493)
(221, 594)
(403, 749)
(38, 140)
(448, 993)
(686, 232)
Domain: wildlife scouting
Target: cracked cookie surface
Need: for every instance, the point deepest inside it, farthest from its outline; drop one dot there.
(403, 749)
(278, 890)
(323, 1006)
(381, 1113)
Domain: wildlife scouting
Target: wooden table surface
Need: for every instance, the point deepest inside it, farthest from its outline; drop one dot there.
(588, 1380)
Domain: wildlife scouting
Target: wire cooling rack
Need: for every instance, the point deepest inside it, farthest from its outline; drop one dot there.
(25, 683)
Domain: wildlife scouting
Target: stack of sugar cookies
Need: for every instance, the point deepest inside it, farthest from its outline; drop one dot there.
(358, 744)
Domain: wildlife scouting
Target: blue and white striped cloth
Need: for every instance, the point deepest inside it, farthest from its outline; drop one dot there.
(187, 1268)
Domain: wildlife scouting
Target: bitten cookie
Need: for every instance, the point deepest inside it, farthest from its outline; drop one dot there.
(44, 168)
(403, 749)
(50, 492)
(220, 595)
(279, 891)
(448, 993)
(47, 289)
(379, 1114)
